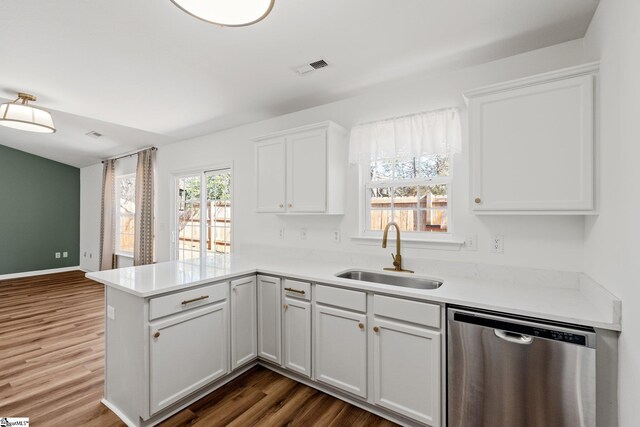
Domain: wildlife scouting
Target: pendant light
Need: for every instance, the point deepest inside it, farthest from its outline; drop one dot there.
(19, 114)
(228, 13)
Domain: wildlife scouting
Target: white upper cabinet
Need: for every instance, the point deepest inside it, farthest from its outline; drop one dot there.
(532, 144)
(270, 168)
(302, 170)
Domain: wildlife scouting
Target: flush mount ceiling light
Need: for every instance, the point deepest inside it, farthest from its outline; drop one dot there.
(228, 13)
(19, 114)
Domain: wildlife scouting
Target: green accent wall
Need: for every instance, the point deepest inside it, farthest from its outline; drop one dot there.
(39, 212)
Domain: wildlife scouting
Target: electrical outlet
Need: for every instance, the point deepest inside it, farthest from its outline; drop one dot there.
(471, 242)
(281, 235)
(57, 254)
(111, 312)
(303, 234)
(336, 236)
(65, 254)
(497, 244)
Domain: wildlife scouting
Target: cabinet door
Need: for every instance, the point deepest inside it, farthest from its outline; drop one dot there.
(270, 175)
(244, 339)
(407, 371)
(269, 319)
(186, 352)
(341, 349)
(532, 147)
(307, 171)
(297, 336)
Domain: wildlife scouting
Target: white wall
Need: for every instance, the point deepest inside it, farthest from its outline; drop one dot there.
(612, 243)
(90, 195)
(537, 242)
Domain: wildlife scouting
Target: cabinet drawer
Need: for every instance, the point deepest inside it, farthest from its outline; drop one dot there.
(183, 301)
(296, 289)
(345, 298)
(421, 313)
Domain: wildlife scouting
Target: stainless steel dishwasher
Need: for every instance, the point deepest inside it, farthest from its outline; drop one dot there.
(505, 371)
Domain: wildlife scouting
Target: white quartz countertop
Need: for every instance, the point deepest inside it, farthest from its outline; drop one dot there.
(587, 304)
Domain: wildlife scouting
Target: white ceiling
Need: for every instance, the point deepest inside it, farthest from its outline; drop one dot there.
(143, 72)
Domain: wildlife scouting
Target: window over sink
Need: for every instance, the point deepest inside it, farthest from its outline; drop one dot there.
(406, 171)
(414, 192)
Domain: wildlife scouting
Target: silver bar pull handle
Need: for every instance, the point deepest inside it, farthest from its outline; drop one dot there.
(513, 337)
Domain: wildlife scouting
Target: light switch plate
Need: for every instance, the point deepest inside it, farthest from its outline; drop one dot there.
(111, 312)
(57, 254)
(471, 242)
(65, 254)
(303, 234)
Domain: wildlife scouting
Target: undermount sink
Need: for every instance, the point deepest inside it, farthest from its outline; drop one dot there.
(404, 281)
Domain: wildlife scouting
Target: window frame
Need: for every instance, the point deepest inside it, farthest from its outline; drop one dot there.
(119, 178)
(366, 185)
(201, 171)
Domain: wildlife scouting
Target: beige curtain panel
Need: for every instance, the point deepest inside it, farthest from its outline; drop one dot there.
(144, 219)
(107, 216)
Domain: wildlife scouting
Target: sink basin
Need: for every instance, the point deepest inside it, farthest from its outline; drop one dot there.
(404, 281)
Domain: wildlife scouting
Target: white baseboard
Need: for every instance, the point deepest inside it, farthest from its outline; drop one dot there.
(38, 272)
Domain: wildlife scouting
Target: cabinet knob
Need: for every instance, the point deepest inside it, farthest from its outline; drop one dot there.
(285, 306)
(361, 325)
(157, 334)
(290, 204)
(376, 329)
(281, 205)
(478, 200)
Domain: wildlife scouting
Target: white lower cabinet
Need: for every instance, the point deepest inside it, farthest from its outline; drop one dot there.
(340, 349)
(296, 325)
(269, 319)
(186, 352)
(244, 328)
(407, 370)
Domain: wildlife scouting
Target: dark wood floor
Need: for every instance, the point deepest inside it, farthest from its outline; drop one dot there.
(52, 368)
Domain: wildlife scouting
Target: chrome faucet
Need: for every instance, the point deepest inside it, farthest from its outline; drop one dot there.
(397, 258)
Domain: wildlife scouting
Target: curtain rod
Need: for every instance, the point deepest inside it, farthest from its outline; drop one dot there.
(408, 115)
(122, 156)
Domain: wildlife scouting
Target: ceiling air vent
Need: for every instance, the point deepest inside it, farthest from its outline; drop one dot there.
(307, 68)
(94, 134)
(319, 64)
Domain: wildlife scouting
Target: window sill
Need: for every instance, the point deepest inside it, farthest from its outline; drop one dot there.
(445, 244)
(124, 254)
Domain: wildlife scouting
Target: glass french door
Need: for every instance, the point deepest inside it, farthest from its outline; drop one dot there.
(203, 214)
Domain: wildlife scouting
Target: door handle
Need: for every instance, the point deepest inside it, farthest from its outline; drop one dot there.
(513, 337)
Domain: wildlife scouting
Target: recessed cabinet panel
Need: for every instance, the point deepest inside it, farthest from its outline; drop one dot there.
(307, 172)
(271, 175)
(269, 319)
(532, 144)
(406, 365)
(186, 352)
(244, 340)
(297, 336)
(341, 349)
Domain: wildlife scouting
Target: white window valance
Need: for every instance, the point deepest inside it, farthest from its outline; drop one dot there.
(423, 134)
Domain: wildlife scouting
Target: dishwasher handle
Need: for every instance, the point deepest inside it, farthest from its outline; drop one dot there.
(513, 337)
